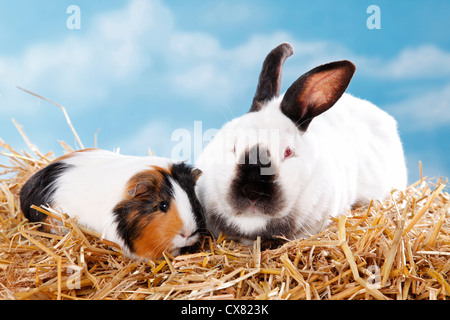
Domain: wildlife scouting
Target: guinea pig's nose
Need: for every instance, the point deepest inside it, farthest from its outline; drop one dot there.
(186, 233)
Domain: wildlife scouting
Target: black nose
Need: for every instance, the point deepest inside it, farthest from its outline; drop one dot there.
(253, 191)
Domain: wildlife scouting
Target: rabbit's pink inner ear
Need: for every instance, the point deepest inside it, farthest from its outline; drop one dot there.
(316, 91)
(321, 89)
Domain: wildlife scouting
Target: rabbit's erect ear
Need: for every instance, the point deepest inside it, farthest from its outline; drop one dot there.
(269, 84)
(316, 91)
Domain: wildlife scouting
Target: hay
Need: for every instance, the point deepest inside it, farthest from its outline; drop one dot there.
(398, 249)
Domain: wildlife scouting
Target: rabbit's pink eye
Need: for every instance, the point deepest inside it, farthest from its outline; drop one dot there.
(288, 152)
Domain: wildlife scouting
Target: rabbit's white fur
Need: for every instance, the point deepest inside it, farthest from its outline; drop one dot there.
(348, 155)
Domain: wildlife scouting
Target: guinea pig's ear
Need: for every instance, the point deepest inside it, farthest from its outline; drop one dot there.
(196, 173)
(316, 91)
(269, 84)
(139, 188)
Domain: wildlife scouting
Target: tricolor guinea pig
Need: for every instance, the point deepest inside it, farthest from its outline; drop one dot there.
(147, 205)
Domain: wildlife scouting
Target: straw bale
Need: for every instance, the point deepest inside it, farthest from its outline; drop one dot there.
(397, 249)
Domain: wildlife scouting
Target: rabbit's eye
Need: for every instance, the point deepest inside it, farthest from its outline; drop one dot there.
(288, 152)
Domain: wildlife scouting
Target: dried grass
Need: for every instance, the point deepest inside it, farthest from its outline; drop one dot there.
(398, 249)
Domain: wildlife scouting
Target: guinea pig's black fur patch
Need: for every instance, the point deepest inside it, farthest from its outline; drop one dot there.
(183, 174)
(39, 189)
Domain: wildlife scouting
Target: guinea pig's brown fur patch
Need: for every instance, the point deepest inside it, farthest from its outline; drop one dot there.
(148, 180)
(146, 229)
(158, 233)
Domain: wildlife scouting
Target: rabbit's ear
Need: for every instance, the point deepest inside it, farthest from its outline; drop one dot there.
(316, 91)
(269, 84)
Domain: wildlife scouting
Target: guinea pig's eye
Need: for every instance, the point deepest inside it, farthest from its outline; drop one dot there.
(288, 152)
(163, 206)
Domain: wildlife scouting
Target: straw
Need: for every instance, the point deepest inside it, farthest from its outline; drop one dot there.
(66, 116)
(395, 249)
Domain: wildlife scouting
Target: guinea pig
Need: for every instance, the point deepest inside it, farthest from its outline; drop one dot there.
(294, 160)
(147, 205)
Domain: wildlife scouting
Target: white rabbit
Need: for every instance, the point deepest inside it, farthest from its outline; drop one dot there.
(292, 161)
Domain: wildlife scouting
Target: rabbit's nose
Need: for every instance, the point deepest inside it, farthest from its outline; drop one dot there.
(252, 192)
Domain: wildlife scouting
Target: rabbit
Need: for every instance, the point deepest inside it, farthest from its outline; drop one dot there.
(294, 160)
(147, 205)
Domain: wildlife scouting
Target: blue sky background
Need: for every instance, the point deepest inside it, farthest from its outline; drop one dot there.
(138, 70)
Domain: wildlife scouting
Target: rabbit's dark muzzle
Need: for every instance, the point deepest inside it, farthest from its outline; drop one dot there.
(255, 184)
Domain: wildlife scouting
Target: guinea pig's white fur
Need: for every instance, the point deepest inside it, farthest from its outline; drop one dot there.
(93, 182)
(348, 155)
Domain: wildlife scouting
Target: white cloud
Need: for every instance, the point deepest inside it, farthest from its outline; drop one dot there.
(426, 110)
(422, 62)
(143, 37)
(89, 65)
(200, 79)
(154, 136)
(203, 69)
(231, 14)
(208, 72)
(185, 46)
(119, 46)
(122, 44)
